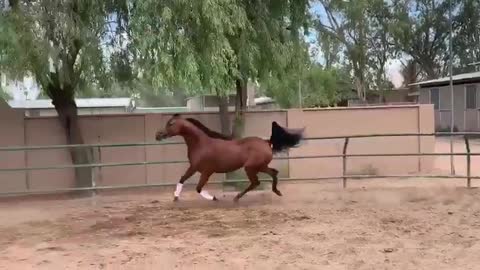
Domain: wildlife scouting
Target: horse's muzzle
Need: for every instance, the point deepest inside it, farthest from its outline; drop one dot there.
(161, 135)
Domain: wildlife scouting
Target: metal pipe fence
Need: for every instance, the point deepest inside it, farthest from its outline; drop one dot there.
(344, 156)
(52, 147)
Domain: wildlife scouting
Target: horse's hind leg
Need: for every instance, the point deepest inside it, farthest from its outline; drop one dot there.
(274, 174)
(253, 177)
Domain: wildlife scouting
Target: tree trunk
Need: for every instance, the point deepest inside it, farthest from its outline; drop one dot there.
(360, 89)
(224, 114)
(68, 117)
(240, 108)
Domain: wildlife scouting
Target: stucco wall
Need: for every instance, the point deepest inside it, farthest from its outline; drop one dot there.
(362, 121)
(141, 127)
(12, 133)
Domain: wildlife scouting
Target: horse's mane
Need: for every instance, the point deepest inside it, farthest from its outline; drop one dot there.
(210, 133)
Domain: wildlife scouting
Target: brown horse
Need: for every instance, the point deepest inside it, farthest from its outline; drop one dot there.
(211, 152)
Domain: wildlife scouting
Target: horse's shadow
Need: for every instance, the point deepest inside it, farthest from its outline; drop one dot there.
(225, 201)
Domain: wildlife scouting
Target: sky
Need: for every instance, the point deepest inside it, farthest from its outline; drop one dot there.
(393, 66)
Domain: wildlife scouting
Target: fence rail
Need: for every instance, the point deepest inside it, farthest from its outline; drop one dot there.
(64, 146)
(344, 157)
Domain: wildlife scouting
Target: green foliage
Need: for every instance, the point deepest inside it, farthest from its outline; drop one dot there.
(381, 46)
(466, 44)
(410, 73)
(272, 40)
(422, 31)
(164, 50)
(283, 84)
(184, 43)
(319, 88)
(61, 43)
(330, 48)
(4, 95)
(371, 32)
(205, 46)
(350, 24)
(325, 87)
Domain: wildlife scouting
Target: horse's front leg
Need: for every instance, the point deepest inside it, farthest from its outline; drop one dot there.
(201, 183)
(190, 171)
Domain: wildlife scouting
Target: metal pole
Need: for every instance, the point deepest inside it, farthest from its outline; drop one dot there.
(300, 94)
(452, 166)
(469, 177)
(344, 160)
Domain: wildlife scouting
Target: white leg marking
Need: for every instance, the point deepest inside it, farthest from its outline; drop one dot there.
(178, 190)
(206, 195)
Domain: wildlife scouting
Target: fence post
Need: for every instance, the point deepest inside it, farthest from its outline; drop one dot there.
(94, 170)
(467, 145)
(344, 159)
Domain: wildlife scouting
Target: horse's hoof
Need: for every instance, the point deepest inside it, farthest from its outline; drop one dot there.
(215, 198)
(235, 200)
(175, 198)
(277, 192)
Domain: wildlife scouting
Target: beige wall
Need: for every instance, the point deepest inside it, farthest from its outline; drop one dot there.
(81, 111)
(12, 134)
(142, 127)
(362, 121)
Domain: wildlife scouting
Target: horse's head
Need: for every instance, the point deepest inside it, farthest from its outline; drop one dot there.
(172, 128)
(177, 125)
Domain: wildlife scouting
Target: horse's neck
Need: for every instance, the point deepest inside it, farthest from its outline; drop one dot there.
(193, 137)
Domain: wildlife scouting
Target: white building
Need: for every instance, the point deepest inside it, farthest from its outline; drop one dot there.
(26, 89)
(86, 106)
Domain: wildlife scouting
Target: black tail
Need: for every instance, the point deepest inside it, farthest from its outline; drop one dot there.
(282, 138)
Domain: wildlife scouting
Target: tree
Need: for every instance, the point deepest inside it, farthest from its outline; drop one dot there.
(330, 48)
(381, 46)
(62, 43)
(363, 29)
(326, 87)
(268, 43)
(410, 72)
(348, 23)
(466, 44)
(320, 87)
(422, 33)
(184, 44)
(283, 85)
(215, 46)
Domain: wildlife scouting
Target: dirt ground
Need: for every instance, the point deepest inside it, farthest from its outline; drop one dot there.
(374, 224)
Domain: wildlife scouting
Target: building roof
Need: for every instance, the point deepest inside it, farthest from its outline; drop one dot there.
(81, 103)
(160, 109)
(463, 78)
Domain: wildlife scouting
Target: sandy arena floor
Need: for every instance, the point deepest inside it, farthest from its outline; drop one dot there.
(375, 224)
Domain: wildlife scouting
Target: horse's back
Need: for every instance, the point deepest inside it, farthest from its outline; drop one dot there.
(234, 154)
(258, 149)
(256, 142)
(221, 156)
